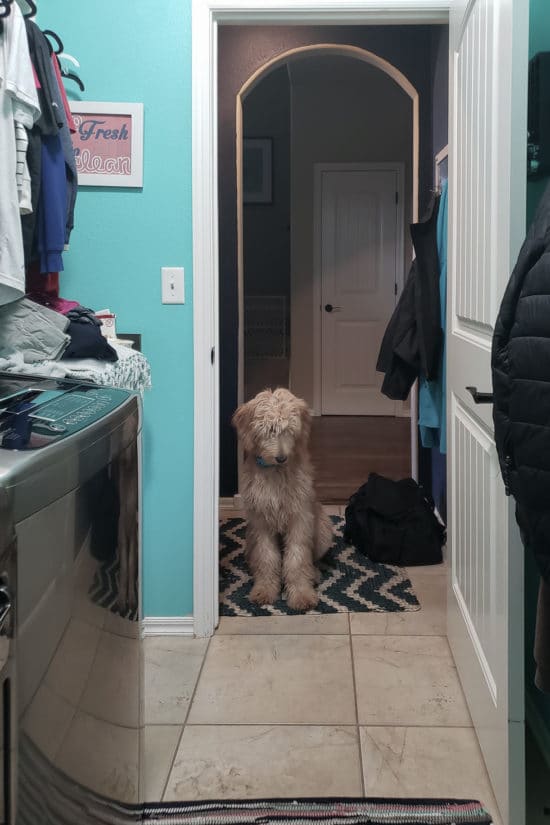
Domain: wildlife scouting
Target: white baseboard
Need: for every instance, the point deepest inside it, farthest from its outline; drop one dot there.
(167, 626)
(539, 727)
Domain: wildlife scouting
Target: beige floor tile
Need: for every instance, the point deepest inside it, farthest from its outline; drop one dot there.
(407, 680)
(102, 757)
(258, 761)
(112, 690)
(369, 624)
(276, 680)
(159, 746)
(329, 624)
(425, 762)
(424, 570)
(70, 667)
(122, 627)
(47, 720)
(430, 585)
(431, 619)
(172, 666)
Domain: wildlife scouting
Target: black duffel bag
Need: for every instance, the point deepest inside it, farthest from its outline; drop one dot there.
(394, 522)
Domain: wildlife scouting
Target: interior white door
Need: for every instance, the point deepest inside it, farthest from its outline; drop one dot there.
(359, 258)
(489, 47)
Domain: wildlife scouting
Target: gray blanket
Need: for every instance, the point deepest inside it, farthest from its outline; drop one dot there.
(38, 333)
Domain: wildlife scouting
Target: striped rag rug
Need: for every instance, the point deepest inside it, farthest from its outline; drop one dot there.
(325, 811)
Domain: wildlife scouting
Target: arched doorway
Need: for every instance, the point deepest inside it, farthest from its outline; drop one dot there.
(305, 292)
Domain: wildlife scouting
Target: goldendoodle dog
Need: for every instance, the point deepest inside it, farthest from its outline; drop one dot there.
(288, 530)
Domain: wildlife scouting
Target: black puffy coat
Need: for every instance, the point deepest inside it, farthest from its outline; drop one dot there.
(412, 341)
(521, 386)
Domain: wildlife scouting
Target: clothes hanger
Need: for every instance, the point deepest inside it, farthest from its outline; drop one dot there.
(4, 12)
(67, 56)
(76, 79)
(56, 37)
(32, 10)
(5, 9)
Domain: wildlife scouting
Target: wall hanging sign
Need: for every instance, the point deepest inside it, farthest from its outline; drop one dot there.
(108, 143)
(257, 186)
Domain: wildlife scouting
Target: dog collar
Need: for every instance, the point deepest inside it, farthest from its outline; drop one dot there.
(261, 463)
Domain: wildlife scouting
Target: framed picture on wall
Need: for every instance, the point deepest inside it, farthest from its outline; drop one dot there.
(108, 143)
(257, 170)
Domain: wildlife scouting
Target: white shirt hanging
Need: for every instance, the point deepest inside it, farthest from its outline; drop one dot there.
(18, 102)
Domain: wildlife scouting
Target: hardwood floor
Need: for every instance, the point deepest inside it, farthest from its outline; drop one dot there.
(345, 449)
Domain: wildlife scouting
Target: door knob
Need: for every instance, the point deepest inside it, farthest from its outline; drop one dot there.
(330, 308)
(480, 397)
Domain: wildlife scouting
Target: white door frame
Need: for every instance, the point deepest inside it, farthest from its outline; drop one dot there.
(391, 166)
(206, 15)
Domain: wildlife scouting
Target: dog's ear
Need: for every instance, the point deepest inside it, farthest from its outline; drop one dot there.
(241, 418)
(305, 419)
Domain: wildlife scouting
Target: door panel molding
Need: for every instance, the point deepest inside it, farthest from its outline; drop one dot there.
(488, 95)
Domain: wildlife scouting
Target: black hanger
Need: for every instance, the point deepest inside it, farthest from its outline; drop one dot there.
(32, 9)
(5, 8)
(56, 37)
(76, 79)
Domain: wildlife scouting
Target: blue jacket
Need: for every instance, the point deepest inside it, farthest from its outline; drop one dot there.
(431, 397)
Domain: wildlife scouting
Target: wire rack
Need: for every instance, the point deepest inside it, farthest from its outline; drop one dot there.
(266, 326)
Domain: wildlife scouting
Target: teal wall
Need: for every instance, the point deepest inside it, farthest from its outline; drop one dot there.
(539, 40)
(138, 51)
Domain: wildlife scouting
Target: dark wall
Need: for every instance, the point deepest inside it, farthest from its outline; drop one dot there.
(266, 227)
(242, 50)
(440, 87)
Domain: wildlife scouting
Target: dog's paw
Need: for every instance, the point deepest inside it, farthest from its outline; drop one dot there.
(264, 593)
(305, 599)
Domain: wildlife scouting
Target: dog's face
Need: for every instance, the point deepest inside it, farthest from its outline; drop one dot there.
(273, 426)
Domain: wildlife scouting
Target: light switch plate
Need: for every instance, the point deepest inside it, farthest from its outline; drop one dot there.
(173, 284)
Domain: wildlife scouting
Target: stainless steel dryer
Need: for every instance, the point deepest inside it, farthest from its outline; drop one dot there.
(69, 603)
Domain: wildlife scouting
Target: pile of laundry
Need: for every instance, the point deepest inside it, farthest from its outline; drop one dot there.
(64, 340)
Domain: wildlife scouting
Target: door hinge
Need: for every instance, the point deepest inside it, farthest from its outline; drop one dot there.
(212, 355)
(395, 288)
(397, 197)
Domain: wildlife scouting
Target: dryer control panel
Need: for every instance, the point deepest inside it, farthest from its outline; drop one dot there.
(36, 412)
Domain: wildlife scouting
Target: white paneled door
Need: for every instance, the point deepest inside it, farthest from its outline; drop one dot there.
(361, 256)
(489, 42)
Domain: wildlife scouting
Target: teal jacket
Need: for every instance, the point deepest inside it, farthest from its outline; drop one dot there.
(431, 397)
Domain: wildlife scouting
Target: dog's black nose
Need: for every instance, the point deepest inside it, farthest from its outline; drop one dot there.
(280, 459)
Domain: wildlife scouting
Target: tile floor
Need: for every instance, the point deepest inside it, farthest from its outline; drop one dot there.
(365, 704)
(334, 705)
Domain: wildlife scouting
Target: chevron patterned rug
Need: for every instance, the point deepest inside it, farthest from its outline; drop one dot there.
(350, 583)
(104, 589)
